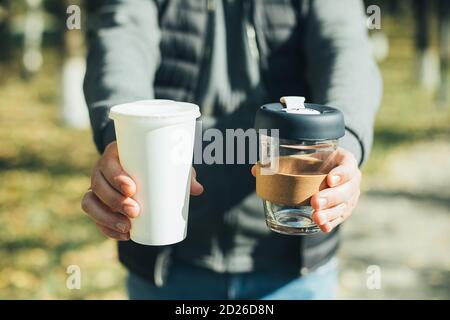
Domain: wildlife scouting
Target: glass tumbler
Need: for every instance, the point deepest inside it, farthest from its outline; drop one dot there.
(297, 148)
(294, 171)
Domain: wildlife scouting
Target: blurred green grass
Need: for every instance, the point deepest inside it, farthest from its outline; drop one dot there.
(44, 171)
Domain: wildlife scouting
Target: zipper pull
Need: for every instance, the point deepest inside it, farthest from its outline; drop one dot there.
(251, 36)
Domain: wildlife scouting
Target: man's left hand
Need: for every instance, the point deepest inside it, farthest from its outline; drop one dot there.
(334, 205)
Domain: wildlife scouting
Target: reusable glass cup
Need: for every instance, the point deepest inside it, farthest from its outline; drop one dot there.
(297, 151)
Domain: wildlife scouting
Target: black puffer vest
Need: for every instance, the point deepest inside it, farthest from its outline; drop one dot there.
(186, 41)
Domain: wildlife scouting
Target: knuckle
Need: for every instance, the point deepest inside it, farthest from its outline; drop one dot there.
(116, 203)
(336, 222)
(345, 191)
(347, 194)
(105, 231)
(355, 198)
(110, 234)
(352, 205)
(331, 199)
(111, 225)
(347, 214)
(95, 168)
(355, 186)
(346, 208)
(353, 159)
(346, 155)
(354, 201)
(349, 155)
(346, 172)
(94, 183)
(339, 211)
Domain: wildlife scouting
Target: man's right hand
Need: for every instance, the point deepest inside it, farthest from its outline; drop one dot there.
(109, 199)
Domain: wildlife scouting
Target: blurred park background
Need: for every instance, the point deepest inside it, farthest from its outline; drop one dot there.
(402, 225)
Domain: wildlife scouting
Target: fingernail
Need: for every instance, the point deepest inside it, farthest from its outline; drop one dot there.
(335, 180)
(121, 226)
(129, 210)
(326, 227)
(126, 188)
(323, 218)
(195, 182)
(323, 203)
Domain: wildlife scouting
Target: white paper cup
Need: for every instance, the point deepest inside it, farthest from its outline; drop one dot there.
(155, 139)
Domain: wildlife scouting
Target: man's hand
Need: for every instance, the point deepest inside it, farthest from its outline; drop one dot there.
(334, 205)
(108, 201)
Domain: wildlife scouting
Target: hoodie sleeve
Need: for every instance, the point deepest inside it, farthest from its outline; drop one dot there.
(341, 68)
(122, 60)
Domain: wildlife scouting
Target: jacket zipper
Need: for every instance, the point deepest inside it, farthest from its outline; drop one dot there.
(251, 35)
(207, 49)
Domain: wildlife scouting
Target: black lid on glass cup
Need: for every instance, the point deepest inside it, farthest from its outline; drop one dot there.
(318, 122)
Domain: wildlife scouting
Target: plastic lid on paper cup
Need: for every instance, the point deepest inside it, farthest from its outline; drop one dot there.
(157, 108)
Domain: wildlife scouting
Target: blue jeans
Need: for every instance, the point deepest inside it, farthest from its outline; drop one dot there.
(196, 283)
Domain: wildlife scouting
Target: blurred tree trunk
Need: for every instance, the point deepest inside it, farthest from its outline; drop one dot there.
(32, 41)
(5, 32)
(444, 50)
(428, 61)
(74, 109)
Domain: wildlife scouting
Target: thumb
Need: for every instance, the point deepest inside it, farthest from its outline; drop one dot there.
(196, 187)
